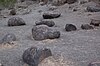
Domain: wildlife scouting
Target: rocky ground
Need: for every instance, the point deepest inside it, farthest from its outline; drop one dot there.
(75, 48)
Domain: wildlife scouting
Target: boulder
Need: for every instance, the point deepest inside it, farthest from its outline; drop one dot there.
(70, 27)
(33, 56)
(86, 26)
(51, 15)
(43, 32)
(47, 22)
(16, 21)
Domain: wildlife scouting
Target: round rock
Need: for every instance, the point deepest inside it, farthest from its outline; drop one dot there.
(16, 21)
(33, 56)
(70, 27)
(86, 26)
(47, 22)
(43, 32)
(13, 12)
(8, 38)
(51, 15)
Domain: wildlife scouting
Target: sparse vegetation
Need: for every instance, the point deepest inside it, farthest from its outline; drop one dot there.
(7, 3)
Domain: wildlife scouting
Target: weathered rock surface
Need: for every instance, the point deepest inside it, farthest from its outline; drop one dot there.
(13, 12)
(33, 56)
(51, 15)
(16, 21)
(93, 9)
(71, 1)
(70, 27)
(47, 22)
(86, 26)
(43, 32)
(8, 38)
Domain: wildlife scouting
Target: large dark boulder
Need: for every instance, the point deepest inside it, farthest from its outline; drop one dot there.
(8, 38)
(86, 26)
(47, 22)
(33, 56)
(16, 21)
(43, 32)
(51, 15)
(70, 27)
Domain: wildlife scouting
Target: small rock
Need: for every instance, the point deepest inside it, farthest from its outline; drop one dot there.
(8, 38)
(71, 1)
(86, 26)
(43, 32)
(83, 1)
(51, 15)
(93, 9)
(16, 21)
(47, 22)
(94, 64)
(70, 27)
(95, 22)
(33, 56)
(13, 12)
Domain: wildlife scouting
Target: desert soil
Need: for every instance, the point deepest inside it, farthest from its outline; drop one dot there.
(77, 47)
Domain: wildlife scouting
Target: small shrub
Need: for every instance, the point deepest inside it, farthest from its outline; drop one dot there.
(7, 3)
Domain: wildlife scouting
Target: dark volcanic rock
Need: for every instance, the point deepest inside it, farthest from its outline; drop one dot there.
(71, 1)
(94, 64)
(93, 9)
(33, 56)
(53, 34)
(16, 21)
(95, 22)
(70, 27)
(86, 26)
(13, 12)
(8, 38)
(51, 15)
(43, 32)
(47, 22)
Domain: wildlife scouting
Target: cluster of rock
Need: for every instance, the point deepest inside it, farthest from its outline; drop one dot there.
(43, 30)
